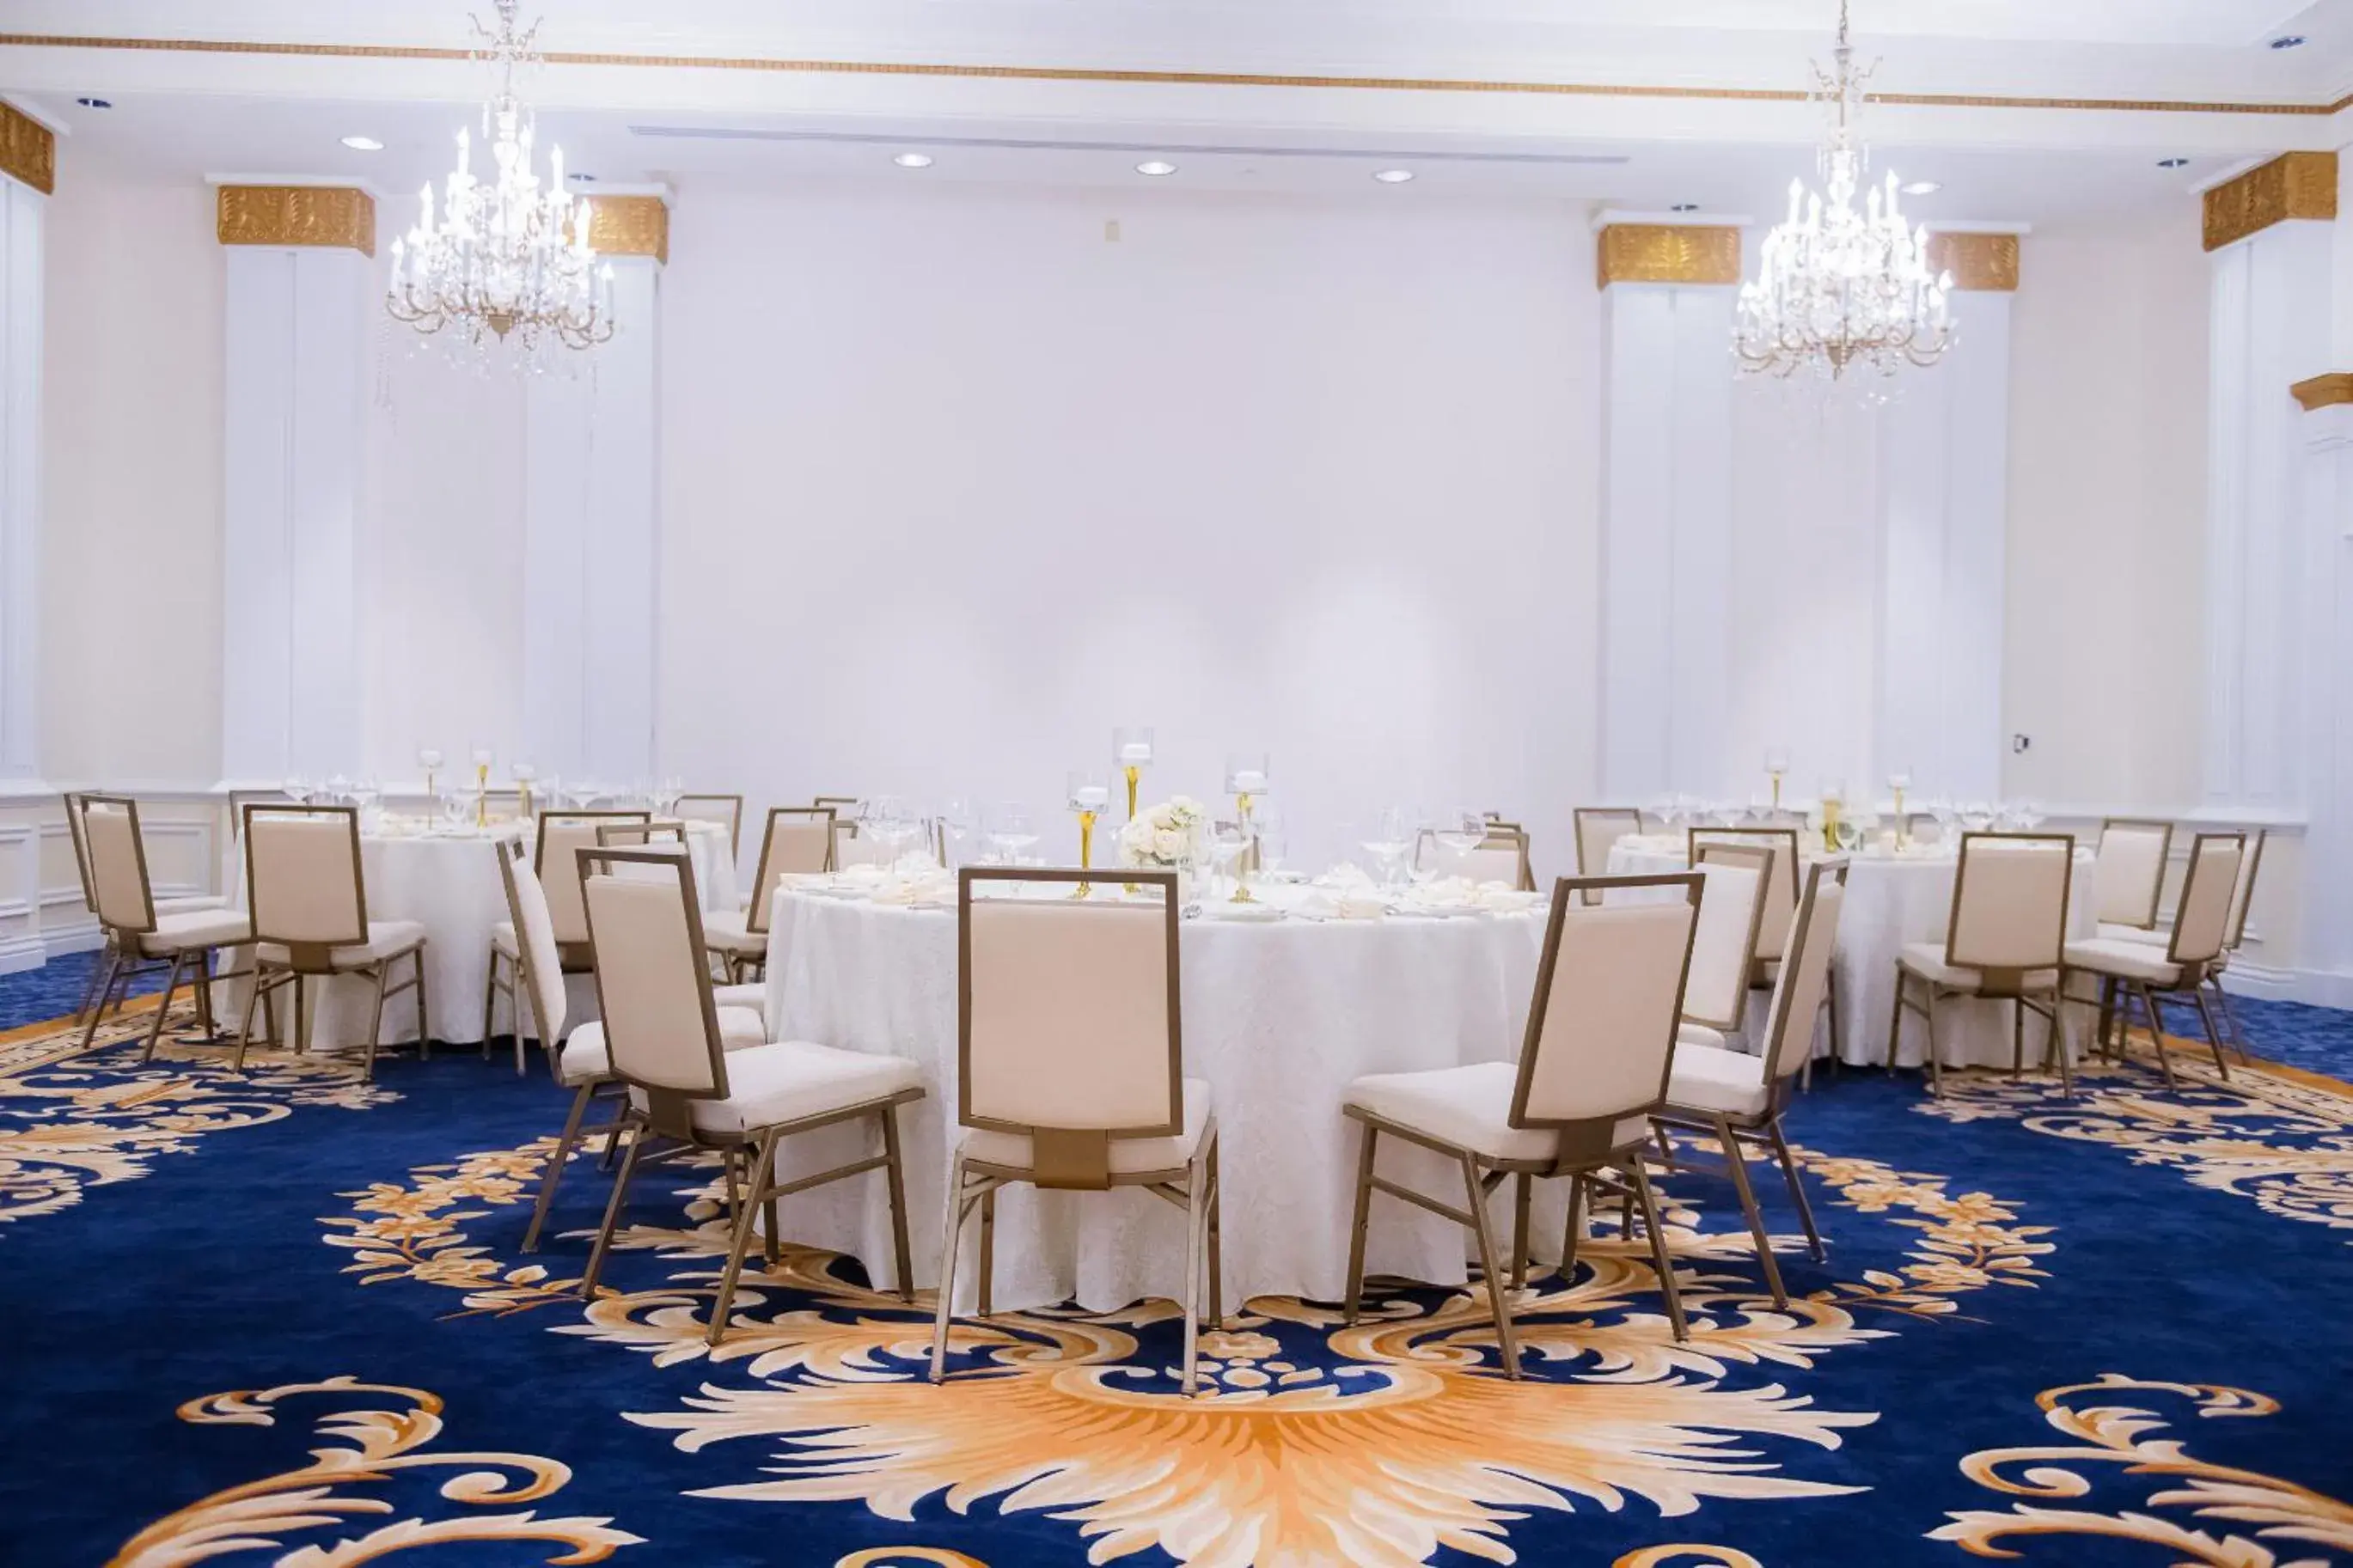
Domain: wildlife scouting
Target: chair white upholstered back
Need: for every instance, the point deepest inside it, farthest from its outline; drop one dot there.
(1724, 945)
(1780, 887)
(1609, 999)
(2130, 863)
(2010, 901)
(798, 842)
(667, 836)
(653, 975)
(2243, 895)
(1597, 828)
(304, 885)
(727, 810)
(1068, 1015)
(1805, 977)
(117, 875)
(543, 962)
(2201, 925)
(556, 860)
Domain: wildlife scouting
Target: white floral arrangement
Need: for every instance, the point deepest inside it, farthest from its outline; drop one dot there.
(1169, 833)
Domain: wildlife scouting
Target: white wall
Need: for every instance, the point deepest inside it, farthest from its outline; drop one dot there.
(2108, 500)
(130, 637)
(952, 484)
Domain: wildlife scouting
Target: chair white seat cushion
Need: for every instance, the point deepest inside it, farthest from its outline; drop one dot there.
(584, 1054)
(187, 930)
(769, 1085)
(386, 939)
(502, 938)
(189, 904)
(734, 934)
(1712, 1079)
(2110, 932)
(1926, 960)
(752, 998)
(1469, 1106)
(2123, 959)
(1128, 1155)
(1688, 1033)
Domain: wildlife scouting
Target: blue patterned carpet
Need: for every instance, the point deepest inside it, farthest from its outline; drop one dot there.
(55, 989)
(261, 1316)
(2318, 1040)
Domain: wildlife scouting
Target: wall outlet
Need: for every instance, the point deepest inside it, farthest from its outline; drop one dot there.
(2020, 742)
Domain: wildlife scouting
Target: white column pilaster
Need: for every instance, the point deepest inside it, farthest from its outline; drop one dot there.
(592, 539)
(25, 176)
(2327, 715)
(297, 331)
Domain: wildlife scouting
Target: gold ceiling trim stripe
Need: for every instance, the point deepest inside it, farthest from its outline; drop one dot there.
(2324, 391)
(29, 150)
(1161, 77)
(2292, 186)
(1667, 253)
(630, 226)
(341, 216)
(1979, 263)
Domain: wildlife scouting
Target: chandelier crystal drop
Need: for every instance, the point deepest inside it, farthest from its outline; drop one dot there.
(507, 259)
(1838, 290)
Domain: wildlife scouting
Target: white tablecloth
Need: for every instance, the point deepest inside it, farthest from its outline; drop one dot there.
(450, 884)
(1278, 1019)
(1890, 901)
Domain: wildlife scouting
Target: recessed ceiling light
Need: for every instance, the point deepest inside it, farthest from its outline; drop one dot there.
(2173, 162)
(363, 143)
(1155, 167)
(94, 103)
(2288, 41)
(1393, 177)
(1684, 207)
(914, 160)
(1922, 188)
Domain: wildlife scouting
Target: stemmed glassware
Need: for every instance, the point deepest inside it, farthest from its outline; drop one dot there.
(1228, 840)
(1898, 782)
(1011, 831)
(298, 789)
(453, 810)
(1087, 795)
(666, 794)
(1462, 832)
(1389, 840)
(1777, 768)
(1834, 801)
(886, 819)
(429, 759)
(955, 820)
(1130, 754)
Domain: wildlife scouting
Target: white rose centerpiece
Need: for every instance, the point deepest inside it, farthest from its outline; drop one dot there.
(1169, 833)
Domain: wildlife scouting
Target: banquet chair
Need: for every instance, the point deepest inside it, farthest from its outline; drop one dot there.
(2242, 898)
(839, 805)
(2129, 869)
(1923, 827)
(1780, 914)
(668, 837)
(1594, 1068)
(103, 970)
(1599, 828)
(2139, 969)
(727, 810)
(2005, 938)
(798, 842)
(1737, 885)
(578, 1062)
(664, 1041)
(307, 896)
(138, 931)
(1070, 1070)
(1735, 1095)
(562, 835)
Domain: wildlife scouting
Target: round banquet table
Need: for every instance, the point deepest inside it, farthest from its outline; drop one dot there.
(448, 883)
(1278, 1019)
(1892, 899)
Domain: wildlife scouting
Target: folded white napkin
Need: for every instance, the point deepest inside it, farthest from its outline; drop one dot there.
(1341, 905)
(930, 888)
(1346, 877)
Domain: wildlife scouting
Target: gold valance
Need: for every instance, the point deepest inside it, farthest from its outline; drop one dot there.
(2292, 186)
(1981, 263)
(298, 215)
(1669, 253)
(2324, 391)
(29, 151)
(628, 225)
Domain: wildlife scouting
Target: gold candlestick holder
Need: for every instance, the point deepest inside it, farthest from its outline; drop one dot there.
(1831, 826)
(482, 795)
(1134, 780)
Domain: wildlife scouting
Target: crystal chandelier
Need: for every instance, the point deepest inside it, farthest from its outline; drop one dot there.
(507, 259)
(1836, 288)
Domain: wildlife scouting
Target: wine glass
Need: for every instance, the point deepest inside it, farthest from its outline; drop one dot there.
(1226, 842)
(1130, 754)
(2030, 815)
(455, 809)
(1011, 831)
(1273, 848)
(1462, 832)
(956, 825)
(365, 792)
(1389, 839)
(886, 819)
(666, 794)
(298, 788)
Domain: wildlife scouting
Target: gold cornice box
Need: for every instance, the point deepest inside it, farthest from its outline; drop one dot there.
(28, 151)
(1668, 253)
(1980, 263)
(2324, 391)
(2292, 186)
(298, 215)
(630, 226)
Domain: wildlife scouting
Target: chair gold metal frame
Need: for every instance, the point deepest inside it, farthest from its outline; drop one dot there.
(2007, 981)
(1587, 1146)
(136, 938)
(2193, 953)
(1787, 851)
(768, 877)
(1592, 825)
(734, 819)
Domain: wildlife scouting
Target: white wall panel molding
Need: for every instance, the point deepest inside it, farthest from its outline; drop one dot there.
(297, 320)
(23, 212)
(20, 897)
(2325, 718)
(592, 548)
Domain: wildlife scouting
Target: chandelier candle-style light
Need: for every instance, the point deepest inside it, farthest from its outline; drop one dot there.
(1837, 288)
(507, 258)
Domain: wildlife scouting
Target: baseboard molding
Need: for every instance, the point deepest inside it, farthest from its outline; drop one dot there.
(58, 941)
(2320, 987)
(20, 953)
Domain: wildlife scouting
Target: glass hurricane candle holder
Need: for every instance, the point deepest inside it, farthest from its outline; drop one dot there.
(1777, 768)
(1130, 754)
(429, 759)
